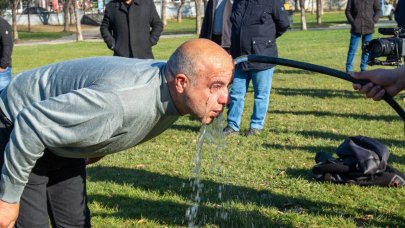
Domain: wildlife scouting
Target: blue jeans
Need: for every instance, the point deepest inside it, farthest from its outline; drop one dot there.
(5, 78)
(354, 43)
(261, 80)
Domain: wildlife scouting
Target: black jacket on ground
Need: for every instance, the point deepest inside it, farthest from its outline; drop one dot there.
(208, 22)
(255, 26)
(6, 43)
(132, 30)
(362, 15)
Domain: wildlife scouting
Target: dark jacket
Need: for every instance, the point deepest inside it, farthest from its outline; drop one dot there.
(362, 15)
(208, 22)
(6, 43)
(400, 13)
(255, 26)
(131, 32)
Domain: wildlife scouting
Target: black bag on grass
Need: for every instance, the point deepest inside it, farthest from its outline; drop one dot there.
(362, 161)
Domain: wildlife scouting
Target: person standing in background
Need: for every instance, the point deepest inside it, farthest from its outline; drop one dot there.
(362, 16)
(216, 25)
(131, 27)
(400, 13)
(255, 26)
(6, 49)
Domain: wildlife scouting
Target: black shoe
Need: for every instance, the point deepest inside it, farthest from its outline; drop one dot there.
(229, 131)
(253, 131)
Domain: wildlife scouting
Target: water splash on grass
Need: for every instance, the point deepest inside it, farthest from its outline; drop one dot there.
(212, 141)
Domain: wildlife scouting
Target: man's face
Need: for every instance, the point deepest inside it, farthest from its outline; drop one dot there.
(209, 94)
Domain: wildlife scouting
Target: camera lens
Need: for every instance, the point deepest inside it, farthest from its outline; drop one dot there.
(381, 47)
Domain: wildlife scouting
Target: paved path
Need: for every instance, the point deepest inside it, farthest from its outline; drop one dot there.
(93, 34)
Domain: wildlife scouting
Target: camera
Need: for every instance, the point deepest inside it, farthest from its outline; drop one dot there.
(393, 48)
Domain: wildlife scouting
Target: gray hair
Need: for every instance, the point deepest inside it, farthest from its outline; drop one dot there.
(182, 63)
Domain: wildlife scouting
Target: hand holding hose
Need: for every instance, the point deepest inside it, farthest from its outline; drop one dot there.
(382, 81)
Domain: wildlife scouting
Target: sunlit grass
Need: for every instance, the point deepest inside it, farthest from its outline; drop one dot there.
(265, 178)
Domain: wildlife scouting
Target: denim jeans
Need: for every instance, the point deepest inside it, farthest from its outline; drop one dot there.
(261, 80)
(5, 78)
(354, 43)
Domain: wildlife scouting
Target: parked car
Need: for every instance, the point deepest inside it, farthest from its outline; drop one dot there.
(387, 10)
(35, 10)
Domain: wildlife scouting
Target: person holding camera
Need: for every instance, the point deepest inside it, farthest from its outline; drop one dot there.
(362, 16)
(391, 81)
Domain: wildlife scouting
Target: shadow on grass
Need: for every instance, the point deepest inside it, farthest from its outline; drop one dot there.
(318, 93)
(293, 71)
(386, 118)
(173, 213)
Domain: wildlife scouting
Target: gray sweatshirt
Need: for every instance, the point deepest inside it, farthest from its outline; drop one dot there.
(79, 109)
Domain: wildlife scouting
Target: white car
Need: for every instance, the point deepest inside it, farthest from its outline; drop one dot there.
(387, 10)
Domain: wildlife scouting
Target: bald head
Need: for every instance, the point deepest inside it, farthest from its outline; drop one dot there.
(195, 56)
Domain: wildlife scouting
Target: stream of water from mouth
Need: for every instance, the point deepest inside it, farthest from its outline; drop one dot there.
(214, 140)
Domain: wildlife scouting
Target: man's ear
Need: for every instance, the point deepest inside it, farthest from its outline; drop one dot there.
(181, 81)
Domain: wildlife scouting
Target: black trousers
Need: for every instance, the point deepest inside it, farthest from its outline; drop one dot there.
(55, 192)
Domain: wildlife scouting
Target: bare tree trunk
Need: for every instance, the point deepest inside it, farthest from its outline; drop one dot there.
(72, 13)
(303, 19)
(79, 34)
(198, 19)
(14, 5)
(66, 6)
(318, 12)
(179, 10)
(164, 17)
(312, 7)
(321, 6)
(29, 16)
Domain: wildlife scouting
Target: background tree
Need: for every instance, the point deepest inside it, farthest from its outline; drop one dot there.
(14, 6)
(179, 10)
(4, 4)
(79, 34)
(198, 19)
(163, 13)
(66, 6)
(318, 11)
(303, 19)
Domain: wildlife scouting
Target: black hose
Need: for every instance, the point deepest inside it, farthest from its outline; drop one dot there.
(320, 69)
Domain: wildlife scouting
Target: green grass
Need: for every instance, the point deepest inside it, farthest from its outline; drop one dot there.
(265, 179)
(328, 19)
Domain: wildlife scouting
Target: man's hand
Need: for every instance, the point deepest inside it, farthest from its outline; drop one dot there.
(2, 69)
(382, 81)
(8, 214)
(90, 161)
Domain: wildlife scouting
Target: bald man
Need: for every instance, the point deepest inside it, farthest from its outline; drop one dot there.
(54, 116)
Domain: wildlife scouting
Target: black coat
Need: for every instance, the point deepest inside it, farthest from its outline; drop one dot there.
(6, 44)
(208, 22)
(362, 15)
(131, 32)
(255, 26)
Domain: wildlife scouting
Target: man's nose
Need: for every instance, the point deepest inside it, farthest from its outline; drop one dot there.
(224, 98)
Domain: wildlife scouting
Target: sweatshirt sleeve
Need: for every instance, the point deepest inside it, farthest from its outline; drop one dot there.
(80, 118)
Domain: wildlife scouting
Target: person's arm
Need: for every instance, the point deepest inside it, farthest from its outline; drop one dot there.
(106, 30)
(348, 12)
(156, 24)
(377, 11)
(280, 18)
(8, 214)
(6, 45)
(391, 81)
(204, 33)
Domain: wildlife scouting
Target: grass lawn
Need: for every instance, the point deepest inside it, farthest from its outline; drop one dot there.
(261, 181)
